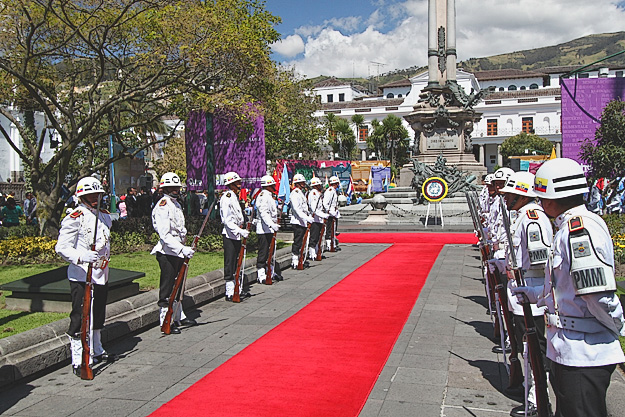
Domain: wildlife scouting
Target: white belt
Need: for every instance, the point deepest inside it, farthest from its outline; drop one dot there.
(579, 324)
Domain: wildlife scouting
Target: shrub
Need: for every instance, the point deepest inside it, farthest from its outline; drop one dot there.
(22, 230)
(29, 249)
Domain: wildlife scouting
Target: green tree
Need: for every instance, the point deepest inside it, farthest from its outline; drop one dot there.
(344, 143)
(290, 125)
(389, 140)
(376, 140)
(174, 158)
(524, 144)
(358, 121)
(606, 153)
(100, 69)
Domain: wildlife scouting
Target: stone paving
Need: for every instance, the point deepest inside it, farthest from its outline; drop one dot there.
(441, 365)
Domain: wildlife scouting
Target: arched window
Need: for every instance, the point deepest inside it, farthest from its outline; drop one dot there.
(534, 86)
(509, 126)
(399, 95)
(522, 87)
(390, 95)
(502, 89)
(512, 87)
(547, 124)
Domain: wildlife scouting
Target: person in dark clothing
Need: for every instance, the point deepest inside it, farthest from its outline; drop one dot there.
(192, 204)
(131, 202)
(144, 203)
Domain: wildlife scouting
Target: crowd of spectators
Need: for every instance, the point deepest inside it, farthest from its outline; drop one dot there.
(607, 196)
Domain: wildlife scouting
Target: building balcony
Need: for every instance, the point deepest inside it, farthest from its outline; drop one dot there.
(540, 131)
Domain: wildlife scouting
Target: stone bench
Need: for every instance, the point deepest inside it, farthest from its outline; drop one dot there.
(49, 291)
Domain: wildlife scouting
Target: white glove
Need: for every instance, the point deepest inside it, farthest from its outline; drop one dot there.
(309, 219)
(244, 233)
(533, 294)
(89, 257)
(499, 264)
(187, 251)
(275, 227)
(324, 215)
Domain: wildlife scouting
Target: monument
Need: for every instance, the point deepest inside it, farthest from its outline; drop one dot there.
(444, 117)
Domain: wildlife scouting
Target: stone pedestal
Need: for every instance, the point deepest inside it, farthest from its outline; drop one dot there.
(376, 217)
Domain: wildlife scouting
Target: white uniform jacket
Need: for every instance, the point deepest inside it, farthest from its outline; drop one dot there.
(267, 213)
(316, 207)
(331, 202)
(602, 310)
(168, 221)
(231, 215)
(299, 208)
(531, 226)
(76, 238)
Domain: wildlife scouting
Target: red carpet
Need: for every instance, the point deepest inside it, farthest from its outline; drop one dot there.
(325, 359)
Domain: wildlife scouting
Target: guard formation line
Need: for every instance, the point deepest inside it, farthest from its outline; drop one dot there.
(551, 290)
(84, 242)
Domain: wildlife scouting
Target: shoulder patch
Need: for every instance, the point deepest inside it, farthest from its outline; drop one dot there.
(532, 214)
(162, 203)
(576, 224)
(229, 194)
(76, 214)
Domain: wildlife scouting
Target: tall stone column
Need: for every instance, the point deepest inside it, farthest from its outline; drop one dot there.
(451, 40)
(482, 154)
(432, 45)
(499, 156)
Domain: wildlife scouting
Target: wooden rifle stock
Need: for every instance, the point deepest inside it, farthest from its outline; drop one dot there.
(270, 261)
(236, 297)
(303, 249)
(332, 232)
(86, 372)
(536, 358)
(182, 275)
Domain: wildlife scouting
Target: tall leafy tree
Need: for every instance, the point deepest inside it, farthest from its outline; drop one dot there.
(106, 69)
(290, 125)
(606, 153)
(344, 143)
(524, 144)
(389, 140)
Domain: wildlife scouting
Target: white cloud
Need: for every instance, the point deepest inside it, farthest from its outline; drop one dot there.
(290, 46)
(484, 28)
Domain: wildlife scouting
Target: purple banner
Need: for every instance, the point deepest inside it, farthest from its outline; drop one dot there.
(583, 100)
(196, 139)
(236, 147)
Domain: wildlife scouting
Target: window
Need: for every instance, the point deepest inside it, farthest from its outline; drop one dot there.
(390, 95)
(618, 74)
(330, 98)
(493, 159)
(491, 127)
(341, 96)
(512, 87)
(583, 75)
(502, 89)
(534, 86)
(363, 133)
(399, 95)
(527, 125)
(522, 87)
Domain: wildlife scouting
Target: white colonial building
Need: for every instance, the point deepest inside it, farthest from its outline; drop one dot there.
(523, 101)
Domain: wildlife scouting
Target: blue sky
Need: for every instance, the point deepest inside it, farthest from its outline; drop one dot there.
(344, 37)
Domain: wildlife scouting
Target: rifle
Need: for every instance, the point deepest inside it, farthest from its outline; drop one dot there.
(86, 372)
(321, 239)
(236, 298)
(516, 371)
(531, 335)
(180, 279)
(491, 282)
(271, 260)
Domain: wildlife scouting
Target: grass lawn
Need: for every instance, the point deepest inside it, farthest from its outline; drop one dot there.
(13, 322)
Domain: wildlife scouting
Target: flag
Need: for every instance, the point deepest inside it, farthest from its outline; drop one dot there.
(350, 187)
(326, 184)
(392, 184)
(243, 194)
(385, 184)
(553, 153)
(275, 176)
(285, 186)
(370, 182)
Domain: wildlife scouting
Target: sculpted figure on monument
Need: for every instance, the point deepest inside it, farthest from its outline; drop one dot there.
(456, 180)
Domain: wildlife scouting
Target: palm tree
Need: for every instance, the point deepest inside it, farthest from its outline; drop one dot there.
(358, 121)
(345, 141)
(395, 134)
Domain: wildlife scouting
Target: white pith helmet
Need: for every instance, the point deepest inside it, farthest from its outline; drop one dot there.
(267, 180)
(315, 181)
(89, 185)
(170, 179)
(502, 174)
(488, 179)
(521, 183)
(299, 178)
(334, 179)
(231, 177)
(559, 178)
